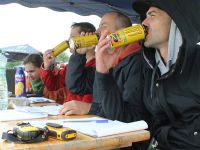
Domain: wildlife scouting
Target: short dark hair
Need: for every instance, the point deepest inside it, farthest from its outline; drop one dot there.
(84, 26)
(36, 59)
(122, 19)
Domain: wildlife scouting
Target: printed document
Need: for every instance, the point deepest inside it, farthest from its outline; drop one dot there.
(9, 115)
(96, 126)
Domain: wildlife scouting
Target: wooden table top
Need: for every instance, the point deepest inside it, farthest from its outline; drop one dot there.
(82, 142)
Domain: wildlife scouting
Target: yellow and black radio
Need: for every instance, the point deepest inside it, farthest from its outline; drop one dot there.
(25, 133)
(59, 132)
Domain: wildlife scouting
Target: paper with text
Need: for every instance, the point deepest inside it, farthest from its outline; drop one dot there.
(50, 110)
(9, 115)
(40, 100)
(94, 129)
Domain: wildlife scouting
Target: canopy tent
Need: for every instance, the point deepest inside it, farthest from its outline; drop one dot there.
(82, 7)
(18, 52)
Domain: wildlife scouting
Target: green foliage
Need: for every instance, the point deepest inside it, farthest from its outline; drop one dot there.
(62, 58)
(12, 64)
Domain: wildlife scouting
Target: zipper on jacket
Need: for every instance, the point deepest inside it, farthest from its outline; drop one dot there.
(147, 60)
(152, 79)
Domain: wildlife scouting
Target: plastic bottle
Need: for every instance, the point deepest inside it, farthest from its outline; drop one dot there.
(20, 83)
(119, 38)
(3, 83)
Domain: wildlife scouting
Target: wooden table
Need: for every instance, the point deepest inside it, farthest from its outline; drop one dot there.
(82, 142)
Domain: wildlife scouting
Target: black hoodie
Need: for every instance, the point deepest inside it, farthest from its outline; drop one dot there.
(173, 99)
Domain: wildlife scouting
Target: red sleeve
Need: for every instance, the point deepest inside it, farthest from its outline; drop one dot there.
(53, 80)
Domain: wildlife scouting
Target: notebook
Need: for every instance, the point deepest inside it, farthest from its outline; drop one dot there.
(96, 126)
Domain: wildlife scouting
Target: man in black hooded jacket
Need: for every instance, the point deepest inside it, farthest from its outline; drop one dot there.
(172, 71)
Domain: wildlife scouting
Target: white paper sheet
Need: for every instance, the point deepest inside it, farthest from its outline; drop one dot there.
(104, 129)
(94, 129)
(50, 110)
(9, 115)
(40, 100)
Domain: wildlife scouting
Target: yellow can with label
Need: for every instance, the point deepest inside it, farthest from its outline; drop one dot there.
(60, 48)
(127, 35)
(83, 41)
(119, 38)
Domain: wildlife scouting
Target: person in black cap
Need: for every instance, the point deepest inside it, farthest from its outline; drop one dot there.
(172, 72)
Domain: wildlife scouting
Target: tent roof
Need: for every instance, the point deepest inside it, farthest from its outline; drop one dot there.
(81, 7)
(18, 52)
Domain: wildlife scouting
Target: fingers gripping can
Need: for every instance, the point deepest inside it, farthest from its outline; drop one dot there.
(119, 38)
(60, 48)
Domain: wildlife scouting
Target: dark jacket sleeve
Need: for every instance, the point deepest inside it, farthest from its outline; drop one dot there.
(120, 102)
(79, 79)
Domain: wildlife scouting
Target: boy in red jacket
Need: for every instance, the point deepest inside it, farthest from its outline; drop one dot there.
(55, 81)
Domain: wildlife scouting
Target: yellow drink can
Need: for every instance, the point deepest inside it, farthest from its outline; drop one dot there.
(119, 38)
(83, 41)
(127, 35)
(60, 48)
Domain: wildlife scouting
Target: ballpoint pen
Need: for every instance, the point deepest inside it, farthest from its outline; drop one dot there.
(97, 121)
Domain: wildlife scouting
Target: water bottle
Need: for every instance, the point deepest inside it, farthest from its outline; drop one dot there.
(20, 83)
(3, 83)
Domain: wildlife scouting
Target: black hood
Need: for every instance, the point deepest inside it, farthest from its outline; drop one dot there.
(185, 13)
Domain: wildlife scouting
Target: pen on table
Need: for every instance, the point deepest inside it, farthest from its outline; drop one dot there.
(97, 121)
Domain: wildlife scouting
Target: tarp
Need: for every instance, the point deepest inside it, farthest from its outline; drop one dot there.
(82, 7)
